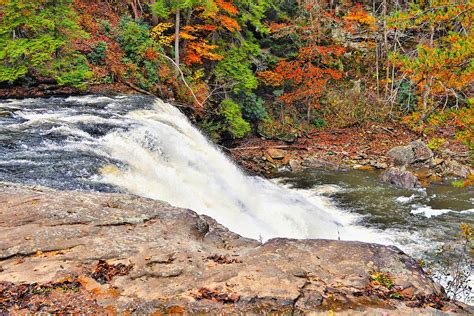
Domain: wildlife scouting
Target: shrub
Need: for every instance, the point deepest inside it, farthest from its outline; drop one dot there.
(320, 123)
(436, 143)
(253, 108)
(98, 53)
(235, 124)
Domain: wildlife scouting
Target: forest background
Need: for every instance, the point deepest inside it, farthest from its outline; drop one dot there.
(273, 68)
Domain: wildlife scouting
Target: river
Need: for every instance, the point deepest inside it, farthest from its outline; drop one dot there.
(146, 147)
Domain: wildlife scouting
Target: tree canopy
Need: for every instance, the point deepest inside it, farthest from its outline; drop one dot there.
(271, 66)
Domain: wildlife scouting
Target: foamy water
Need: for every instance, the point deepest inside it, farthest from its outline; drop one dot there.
(146, 147)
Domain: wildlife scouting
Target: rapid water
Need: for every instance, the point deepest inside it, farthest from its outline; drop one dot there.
(146, 147)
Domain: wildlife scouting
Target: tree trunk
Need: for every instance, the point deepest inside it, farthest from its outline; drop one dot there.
(385, 44)
(176, 37)
(136, 12)
(377, 76)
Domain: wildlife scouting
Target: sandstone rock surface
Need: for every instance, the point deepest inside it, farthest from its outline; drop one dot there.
(103, 253)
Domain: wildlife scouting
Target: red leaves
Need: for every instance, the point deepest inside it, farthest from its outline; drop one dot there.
(306, 79)
(151, 54)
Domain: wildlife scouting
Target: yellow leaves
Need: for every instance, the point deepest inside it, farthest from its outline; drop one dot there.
(160, 28)
(466, 231)
(157, 33)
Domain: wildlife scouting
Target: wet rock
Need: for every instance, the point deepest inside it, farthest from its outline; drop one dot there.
(401, 177)
(414, 152)
(136, 255)
(316, 163)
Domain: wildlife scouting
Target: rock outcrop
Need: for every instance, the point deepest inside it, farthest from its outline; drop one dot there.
(72, 252)
(415, 164)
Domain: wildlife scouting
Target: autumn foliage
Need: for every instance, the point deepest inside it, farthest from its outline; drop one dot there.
(263, 66)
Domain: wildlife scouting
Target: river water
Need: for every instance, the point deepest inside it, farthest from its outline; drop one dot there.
(146, 147)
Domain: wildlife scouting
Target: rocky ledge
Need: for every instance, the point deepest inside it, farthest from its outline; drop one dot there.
(71, 252)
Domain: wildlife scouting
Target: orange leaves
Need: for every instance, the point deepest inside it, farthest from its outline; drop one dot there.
(359, 15)
(222, 18)
(307, 80)
(227, 7)
(305, 76)
(196, 51)
(206, 27)
(195, 35)
(227, 22)
(197, 48)
(270, 78)
(280, 29)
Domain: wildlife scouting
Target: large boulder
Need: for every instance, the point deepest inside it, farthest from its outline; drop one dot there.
(402, 155)
(415, 152)
(421, 152)
(401, 177)
(93, 253)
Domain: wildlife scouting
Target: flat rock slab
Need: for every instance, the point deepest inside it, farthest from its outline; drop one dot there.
(106, 253)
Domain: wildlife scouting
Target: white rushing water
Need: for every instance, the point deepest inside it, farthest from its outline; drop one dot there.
(149, 148)
(167, 158)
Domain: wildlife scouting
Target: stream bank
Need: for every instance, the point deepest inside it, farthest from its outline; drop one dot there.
(373, 148)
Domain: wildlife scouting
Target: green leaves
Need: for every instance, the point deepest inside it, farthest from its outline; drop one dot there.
(253, 12)
(164, 8)
(236, 68)
(232, 113)
(36, 38)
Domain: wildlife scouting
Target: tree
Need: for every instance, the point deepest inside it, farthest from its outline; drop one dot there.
(304, 74)
(163, 9)
(439, 51)
(36, 39)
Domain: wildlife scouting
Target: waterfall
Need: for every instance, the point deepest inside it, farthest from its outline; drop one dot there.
(165, 157)
(147, 147)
